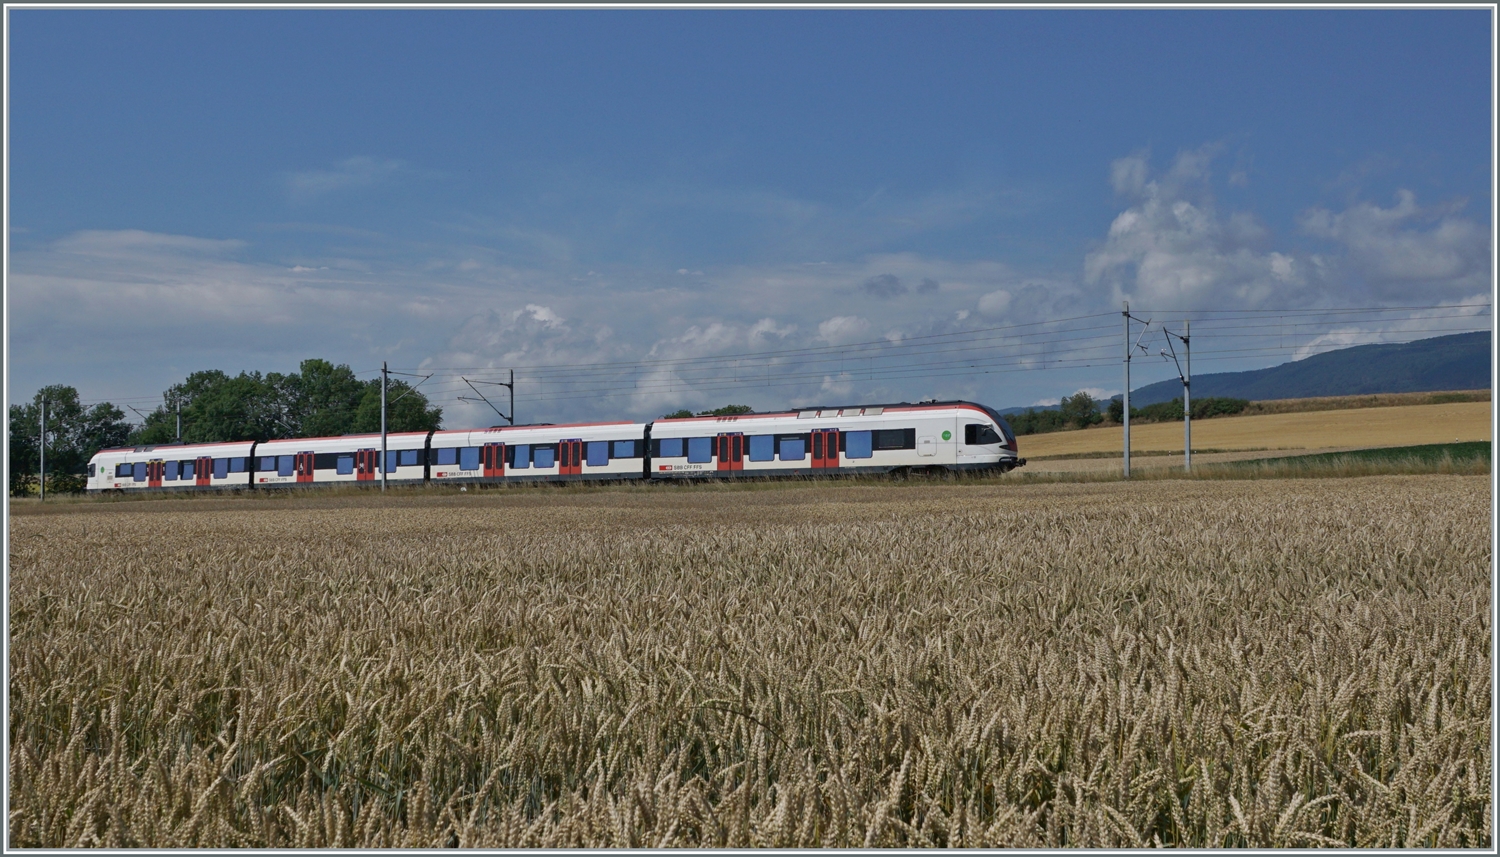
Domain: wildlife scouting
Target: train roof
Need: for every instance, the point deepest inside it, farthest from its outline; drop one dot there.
(817, 409)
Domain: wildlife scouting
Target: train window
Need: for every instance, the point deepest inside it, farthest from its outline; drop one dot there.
(623, 449)
(446, 455)
(468, 458)
(793, 448)
(409, 457)
(286, 465)
(598, 453)
(700, 449)
(236, 465)
(671, 447)
(139, 473)
(763, 447)
(543, 456)
(123, 470)
(187, 469)
(91, 470)
(856, 444)
(221, 468)
(520, 455)
(979, 434)
(267, 463)
(170, 473)
(344, 465)
(895, 438)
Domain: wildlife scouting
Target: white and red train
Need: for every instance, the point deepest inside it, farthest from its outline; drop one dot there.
(810, 441)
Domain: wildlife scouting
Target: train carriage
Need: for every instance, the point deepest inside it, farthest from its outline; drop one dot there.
(613, 450)
(353, 458)
(814, 441)
(171, 466)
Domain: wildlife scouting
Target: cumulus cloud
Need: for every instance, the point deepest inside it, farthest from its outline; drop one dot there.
(994, 304)
(843, 329)
(1405, 247)
(884, 286)
(1172, 249)
(927, 286)
(356, 172)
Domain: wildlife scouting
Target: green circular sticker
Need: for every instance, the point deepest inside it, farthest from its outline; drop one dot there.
(947, 435)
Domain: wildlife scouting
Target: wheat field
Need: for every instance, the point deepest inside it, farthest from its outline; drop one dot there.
(1253, 663)
(1407, 425)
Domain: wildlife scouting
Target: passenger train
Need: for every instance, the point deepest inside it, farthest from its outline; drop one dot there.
(806, 442)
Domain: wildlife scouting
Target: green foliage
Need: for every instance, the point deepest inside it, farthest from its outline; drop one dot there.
(1161, 412)
(1079, 410)
(74, 434)
(726, 411)
(405, 410)
(321, 400)
(1430, 453)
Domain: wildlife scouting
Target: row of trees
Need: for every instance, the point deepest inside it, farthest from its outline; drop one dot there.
(1163, 412)
(318, 400)
(1077, 411)
(726, 411)
(1081, 410)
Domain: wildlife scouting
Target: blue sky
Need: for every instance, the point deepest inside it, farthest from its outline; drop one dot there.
(511, 189)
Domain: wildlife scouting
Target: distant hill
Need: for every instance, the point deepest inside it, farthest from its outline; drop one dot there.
(1457, 362)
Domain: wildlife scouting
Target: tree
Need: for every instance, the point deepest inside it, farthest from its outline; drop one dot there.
(1080, 410)
(726, 411)
(218, 408)
(323, 400)
(320, 400)
(406, 409)
(74, 435)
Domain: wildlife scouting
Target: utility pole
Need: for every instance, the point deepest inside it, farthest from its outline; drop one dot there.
(1126, 416)
(511, 419)
(1187, 397)
(42, 462)
(179, 420)
(1187, 383)
(384, 455)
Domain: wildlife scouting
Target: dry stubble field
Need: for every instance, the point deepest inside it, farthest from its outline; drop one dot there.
(1261, 663)
(1406, 425)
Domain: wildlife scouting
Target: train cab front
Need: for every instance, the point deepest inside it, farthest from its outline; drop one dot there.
(993, 443)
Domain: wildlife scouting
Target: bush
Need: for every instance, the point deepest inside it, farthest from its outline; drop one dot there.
(1211, 406)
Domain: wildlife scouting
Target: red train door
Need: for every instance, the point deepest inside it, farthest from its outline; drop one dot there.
(154, 472)
(494, 460)
(570, 457)
(203, 470)
(364, 465)
(304, 467)
(730, 449)
(825, 448)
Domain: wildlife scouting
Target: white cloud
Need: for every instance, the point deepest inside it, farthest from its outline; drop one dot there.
(1172, 249)
(356, 172)
(1392, 252)
(843, 329)
(994, 304)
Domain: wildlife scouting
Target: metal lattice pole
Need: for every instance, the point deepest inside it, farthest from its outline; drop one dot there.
(1126, 415)
(42, 460)
(385, 463)
(1187, 397)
